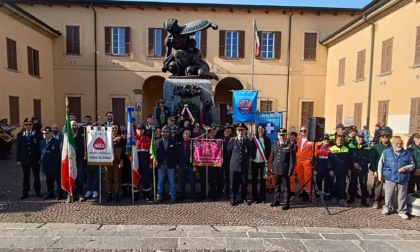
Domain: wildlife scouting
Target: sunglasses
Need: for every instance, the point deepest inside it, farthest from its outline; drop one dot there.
(27, 124)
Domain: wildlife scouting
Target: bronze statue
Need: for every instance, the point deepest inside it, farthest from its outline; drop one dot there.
(186, 60)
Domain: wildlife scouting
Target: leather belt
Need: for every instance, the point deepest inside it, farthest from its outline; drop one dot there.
(142, 150)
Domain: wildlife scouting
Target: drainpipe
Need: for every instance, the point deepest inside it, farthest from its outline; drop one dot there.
(288, 69)
(372, 47)
(96, 61)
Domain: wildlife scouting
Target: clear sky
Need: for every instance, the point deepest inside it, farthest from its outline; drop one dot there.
(297, 3)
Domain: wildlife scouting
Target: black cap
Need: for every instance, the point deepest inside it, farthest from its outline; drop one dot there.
(360, 134)
(326, 136)
(282, 131)
(27, 120)
(240, 125)
(141, 127)
(340, 126)
(47, 130)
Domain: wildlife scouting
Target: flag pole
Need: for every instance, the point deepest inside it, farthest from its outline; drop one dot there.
(100, 184)
(253, 54)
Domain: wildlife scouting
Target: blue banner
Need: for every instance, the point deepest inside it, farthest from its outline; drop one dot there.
(244, 105)
(272, 122)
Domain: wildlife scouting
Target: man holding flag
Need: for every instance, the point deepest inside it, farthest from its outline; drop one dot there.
(131, 150)
(68, 158)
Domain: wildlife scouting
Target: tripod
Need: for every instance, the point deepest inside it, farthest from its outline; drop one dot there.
(314, 186)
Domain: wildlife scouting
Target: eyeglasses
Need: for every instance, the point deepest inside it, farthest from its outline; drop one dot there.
(27, 124)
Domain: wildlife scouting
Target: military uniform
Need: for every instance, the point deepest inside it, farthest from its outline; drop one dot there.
(51, 163)
(284, 158)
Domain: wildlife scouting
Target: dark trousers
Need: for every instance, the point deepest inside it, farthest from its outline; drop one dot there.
(145, 172)
(378, 185)
(324, 176)
(358, 178)
(238, 179)
(52, 178)
(203, 182)
(27, 177)
(285, 181)
(339, 187)
(414, 182)
(80, 174)
(187, 174)
(257, 169)
(227, 179)
(216, 181)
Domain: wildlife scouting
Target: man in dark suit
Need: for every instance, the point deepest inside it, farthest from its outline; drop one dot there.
(51, 162)
(28, 155)
(185, 166)
(240, 147)
(166, 159)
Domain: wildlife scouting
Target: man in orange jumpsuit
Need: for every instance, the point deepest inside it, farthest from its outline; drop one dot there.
(303, 166)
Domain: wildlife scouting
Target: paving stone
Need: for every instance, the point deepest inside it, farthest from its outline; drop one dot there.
(323, 230)
(410, 237)
(301, 236)
(6, 225)
(412, 232)
(205, 234)
(8, 232)
(69, 226)
(235, 228)
(36, 242)
(381, 231)
(283, 245)
(72, 242)
(244, 244)
(95, 232)
(201, 244)
(104, 242)
(329, 245)
(383, 237)
(154, 244)
(230, 234)
(375, 246)
(341, 236)
(165, 234)
(135, 233)
(276, 229)
(194, 228)
(265, 235)
(7, 241)
(405, 246)
(141, 227)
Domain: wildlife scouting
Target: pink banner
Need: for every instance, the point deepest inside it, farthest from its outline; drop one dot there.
(207, 152)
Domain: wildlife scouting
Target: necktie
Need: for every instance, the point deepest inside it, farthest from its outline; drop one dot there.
(47, 142)
(27, 134)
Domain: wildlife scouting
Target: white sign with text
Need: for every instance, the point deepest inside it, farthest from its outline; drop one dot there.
(99, 145)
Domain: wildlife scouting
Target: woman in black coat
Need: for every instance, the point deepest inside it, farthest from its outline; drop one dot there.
(261, 148)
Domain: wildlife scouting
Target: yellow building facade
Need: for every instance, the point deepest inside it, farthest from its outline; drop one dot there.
(373, 69)
(291, 77)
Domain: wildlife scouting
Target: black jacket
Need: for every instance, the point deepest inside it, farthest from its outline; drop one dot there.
(240, 154)
(27, 148)
(167, 156)
(284, 158)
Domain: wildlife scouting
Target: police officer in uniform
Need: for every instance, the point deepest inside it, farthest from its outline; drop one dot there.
(28, 155)
(284, 158)
(240, 149)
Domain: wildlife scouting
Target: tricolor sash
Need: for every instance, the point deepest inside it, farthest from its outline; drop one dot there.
(261, 150)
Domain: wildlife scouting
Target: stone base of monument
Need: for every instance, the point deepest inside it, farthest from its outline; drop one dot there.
(413, 202)
(172, 99)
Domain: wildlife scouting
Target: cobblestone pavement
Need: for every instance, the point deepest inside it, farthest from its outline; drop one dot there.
(302, 214)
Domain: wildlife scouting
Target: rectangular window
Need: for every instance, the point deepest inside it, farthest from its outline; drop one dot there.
(11, 54)
(197, 37)
(358, 115)
(386, 56)
(267, 45)
(157, 46)
(417, 50)
(309, 51)
(72, 40)
(201, 39)
(37, 109)
(307, 111)
(360, 68)
(75, 107)
(414, 115)
(341, 71)
(118, 108)
(232, 44)
(339, 114)
(33, 62)
(14, 110)
(383, 112)
(117, 41)
(266, 106)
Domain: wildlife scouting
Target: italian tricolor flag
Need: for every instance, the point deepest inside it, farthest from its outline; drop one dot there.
(131, 148)
(68, 158)
(257, 39)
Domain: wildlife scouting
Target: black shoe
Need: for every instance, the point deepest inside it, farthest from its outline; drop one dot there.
(292, 194)
(275, 203)
(247, 202)
(58, 197)
(49, 196)
(136, 197)
(38, 194)
(305, 196)
(364, 203)
(285, 207)
(24, 196)
(195, 198)
(109, 198)
(117, 197)
(233, 202)
(350, 200)
(358, 196)
(182, 198)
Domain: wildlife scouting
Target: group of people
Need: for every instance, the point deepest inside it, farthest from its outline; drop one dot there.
(340, 163)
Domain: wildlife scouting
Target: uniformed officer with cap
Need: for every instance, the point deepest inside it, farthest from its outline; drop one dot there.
(28, 155)
(240, 148)
(284, 158)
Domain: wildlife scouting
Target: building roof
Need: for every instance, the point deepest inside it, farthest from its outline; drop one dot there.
(26, 16)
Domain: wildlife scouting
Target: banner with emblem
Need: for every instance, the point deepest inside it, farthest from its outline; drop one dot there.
(207, 152)
(272, 122)
(244, 105)
(99, 145)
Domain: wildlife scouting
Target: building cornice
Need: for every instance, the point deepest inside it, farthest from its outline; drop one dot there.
(25, 16)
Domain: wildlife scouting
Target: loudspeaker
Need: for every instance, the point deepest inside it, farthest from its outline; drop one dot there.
(316, 129)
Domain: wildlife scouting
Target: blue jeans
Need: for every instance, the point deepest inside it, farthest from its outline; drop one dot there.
(162, 171)
(92, 180)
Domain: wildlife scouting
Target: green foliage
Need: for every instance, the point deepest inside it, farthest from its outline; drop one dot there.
(195, 111)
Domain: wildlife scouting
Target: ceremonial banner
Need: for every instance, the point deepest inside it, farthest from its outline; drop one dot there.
(272, 122)
(244, 105)
(207, 152)
(99, 145)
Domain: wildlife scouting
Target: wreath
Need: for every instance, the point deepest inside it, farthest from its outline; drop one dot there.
(195, 111)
